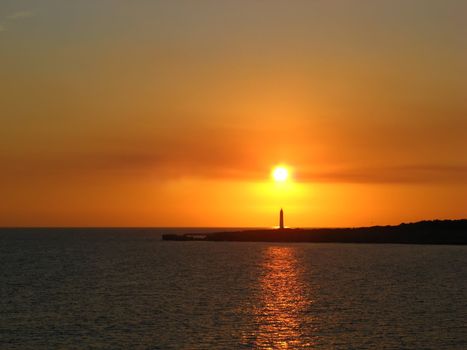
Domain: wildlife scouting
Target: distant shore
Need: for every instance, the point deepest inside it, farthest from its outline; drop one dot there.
(423, 232)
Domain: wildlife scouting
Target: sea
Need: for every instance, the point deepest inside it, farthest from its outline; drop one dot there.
(127, 289)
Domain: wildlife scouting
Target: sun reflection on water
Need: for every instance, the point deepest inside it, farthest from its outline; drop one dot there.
(282, 318)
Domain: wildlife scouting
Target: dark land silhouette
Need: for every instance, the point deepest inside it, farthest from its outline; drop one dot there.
(423, 232)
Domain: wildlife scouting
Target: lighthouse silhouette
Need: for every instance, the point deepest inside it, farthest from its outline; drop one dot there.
(281, 219)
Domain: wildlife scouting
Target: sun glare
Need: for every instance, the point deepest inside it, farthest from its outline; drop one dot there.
(280, 174)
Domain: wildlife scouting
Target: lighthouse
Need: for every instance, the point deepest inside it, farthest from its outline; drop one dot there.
(281, 219)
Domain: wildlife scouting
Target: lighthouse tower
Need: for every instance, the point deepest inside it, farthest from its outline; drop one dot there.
(281, 220)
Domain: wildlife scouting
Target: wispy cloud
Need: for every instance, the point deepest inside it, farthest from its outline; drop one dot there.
(421, 173)
(15, 16)
(186, 163)
(228, 154)
(20, 15)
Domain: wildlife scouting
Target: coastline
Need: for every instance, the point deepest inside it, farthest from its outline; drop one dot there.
(424, 232)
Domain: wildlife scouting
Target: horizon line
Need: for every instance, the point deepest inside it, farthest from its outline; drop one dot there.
(218, 227)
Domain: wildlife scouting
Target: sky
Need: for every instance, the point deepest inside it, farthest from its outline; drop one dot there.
(173, 113)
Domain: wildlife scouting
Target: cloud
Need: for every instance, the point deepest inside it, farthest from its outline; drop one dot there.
(422, 173)
(15, 17)
(20, 15)
(193, 162)
(227, 154)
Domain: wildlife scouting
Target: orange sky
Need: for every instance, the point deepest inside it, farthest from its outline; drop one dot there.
(163, 113)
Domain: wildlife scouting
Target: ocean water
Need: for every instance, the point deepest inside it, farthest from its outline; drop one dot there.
(127, 289)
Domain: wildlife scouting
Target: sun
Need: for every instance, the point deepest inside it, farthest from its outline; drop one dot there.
(280, 173)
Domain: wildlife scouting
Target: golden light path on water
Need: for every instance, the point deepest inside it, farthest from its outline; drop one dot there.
(283, 314)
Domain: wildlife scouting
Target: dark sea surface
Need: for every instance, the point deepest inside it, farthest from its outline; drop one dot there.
(127, 289)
